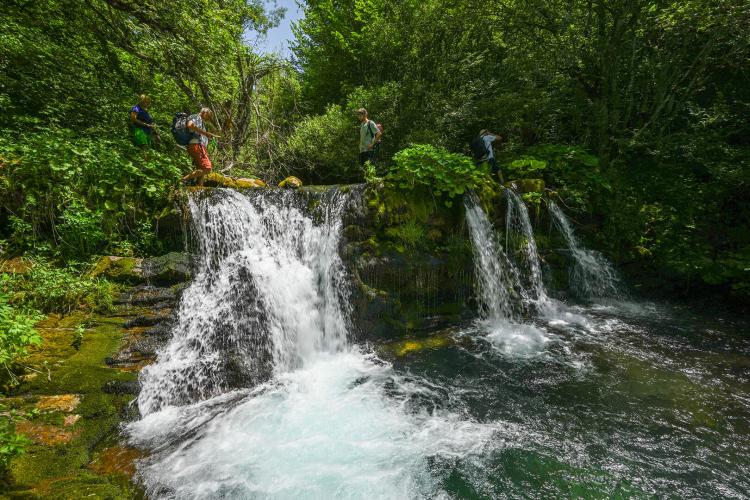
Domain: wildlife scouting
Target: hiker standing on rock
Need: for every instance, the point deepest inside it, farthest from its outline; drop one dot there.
(144, 129)
(369, 137)
(481, 148)
(196, 148)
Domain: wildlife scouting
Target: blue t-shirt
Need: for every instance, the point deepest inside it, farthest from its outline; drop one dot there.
(143, 116)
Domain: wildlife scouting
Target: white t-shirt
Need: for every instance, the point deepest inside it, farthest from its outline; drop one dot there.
(488, 140)
(198, 122)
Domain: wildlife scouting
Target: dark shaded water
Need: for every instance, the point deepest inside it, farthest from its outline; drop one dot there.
(632, 401)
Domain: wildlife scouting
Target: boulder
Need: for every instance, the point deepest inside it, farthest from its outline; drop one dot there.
(168, 269)
(291, 182)
(120, 269)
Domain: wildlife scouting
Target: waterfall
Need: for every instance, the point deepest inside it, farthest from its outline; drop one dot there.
(497, 282)
(502, 298)
(518, 224)
(260, 395)
(591, 275)
(268, 296)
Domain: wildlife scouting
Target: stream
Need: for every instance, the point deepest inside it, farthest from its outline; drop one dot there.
(264, 392)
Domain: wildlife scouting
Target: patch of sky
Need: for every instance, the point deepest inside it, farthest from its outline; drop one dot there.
(277, 39)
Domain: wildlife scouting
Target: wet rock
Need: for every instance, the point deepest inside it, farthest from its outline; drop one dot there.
(61, 402)
(161, 330)
(356, 233)
(150, 319)
(45, 434)
(148, 295)
(120, 269)
(168, 269)
(121, 387)
(147, 347)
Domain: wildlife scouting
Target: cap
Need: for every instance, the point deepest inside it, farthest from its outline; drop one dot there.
(361, 111)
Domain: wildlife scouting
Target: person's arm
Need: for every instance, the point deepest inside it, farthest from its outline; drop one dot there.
(376, 137)
(134, 119)
(191, 126)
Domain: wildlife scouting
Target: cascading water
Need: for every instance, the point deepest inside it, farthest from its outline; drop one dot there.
(267, 296)
(498, 286)
(591, 275)
(501, 296)
(259, 394)
(518, 224)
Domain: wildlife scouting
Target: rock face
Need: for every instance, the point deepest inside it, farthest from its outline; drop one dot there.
(168, 269)
(411, 263)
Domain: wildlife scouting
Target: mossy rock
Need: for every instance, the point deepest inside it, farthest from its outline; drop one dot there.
(527, 185)
(215, 179)
(291, 182)
(120, 269)
(168, 269)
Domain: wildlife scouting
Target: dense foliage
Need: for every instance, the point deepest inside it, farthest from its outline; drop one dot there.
(636, 111)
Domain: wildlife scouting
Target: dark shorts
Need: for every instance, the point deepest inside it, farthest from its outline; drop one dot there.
(366, 156)
(200, 156)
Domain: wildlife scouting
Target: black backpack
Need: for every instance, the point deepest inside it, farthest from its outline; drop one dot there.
(478, 148)
(180, 131)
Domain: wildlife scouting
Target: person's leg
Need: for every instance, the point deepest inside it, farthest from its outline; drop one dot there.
(362, 158)
(204, 163)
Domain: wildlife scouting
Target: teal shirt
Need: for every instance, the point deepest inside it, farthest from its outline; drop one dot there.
(367, 133)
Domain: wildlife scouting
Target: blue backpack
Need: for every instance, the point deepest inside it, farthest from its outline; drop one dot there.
(180, 131)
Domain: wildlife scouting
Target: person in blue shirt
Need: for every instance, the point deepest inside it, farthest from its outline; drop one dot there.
(144, 128)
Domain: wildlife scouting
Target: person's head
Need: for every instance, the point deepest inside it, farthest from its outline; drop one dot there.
(206, 114)
(144, 100)
(483, 132)
(362, 115)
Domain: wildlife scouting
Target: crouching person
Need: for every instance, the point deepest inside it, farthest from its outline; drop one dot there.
(196, 148)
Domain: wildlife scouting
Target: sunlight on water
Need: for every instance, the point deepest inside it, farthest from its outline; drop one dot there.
(342, 427)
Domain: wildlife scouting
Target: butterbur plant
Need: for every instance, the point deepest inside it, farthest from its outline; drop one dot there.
(445, 174)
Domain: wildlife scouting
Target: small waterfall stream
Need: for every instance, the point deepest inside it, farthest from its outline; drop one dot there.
(518, 223)
(591, 275)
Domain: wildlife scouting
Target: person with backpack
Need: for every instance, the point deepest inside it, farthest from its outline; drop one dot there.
(369, 137)
(141, 123)
(481, 149)
(195, 129)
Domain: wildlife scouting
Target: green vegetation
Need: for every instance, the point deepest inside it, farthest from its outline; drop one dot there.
(16, 332)
(632, 111)
(445, 174)
(51, 289)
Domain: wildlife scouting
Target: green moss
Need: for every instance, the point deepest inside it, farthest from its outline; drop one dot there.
(58, 468)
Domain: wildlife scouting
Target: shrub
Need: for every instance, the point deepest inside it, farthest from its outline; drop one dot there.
(51, 289)
(326, 145)
(16, 331)
(445, 174)
(75, 194)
